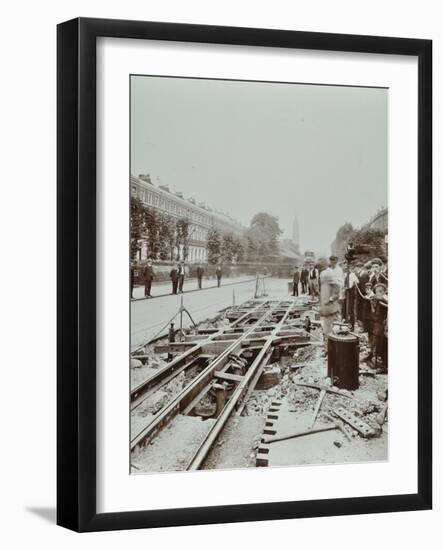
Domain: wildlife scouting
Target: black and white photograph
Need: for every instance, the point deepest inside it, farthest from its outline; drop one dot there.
(258, 274)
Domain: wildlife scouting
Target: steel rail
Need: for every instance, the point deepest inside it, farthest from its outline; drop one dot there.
(236, 397)
(189, 393)
(164, 375)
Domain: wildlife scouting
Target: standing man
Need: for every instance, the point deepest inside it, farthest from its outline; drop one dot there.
(376, 275)
(200, 272)
(295, 281)
(218, 273)
(174, 278)
(313, 281)
(132, 281)
(349, 297)
(304, 279)
(329, 302)
(336, 270)
(379, 314)
(363, 279)
(181, 276)
(148, 276)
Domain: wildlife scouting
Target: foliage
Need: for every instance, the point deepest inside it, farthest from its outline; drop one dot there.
(262, 237)
(162, 233)
(369, 243)
(183, 236)
(136, 213)
(345, 234)
(214, 245)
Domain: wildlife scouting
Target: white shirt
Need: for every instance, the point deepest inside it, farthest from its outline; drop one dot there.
(338, 275)
(353, 280)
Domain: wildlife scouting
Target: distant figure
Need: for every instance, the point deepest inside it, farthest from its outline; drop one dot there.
(304, 279)
(174, 279)
(181, 276)
(200, 273)
(132, 281)
(313, 281)
(218, 274)
(295, 281)
(148, 276)
(171, 338)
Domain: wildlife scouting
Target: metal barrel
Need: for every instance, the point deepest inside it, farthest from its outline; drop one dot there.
(343, 360)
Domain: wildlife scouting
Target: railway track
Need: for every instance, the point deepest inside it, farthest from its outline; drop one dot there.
(232, 359)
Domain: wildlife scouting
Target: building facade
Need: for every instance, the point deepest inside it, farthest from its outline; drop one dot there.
(201, 217)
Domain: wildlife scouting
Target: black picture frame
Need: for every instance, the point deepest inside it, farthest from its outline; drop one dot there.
(76, 279)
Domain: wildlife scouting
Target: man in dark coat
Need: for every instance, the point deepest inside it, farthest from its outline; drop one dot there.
(295, 281)
(181, 276)
(148, 276)
(363, 278)
(313, 281)
(132, 281)
(376, 274)
(218, 273)
(304, 280)
(200, 272)
(174, 279)
(379, 314)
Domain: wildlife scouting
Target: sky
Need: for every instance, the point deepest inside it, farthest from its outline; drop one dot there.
(315, 152)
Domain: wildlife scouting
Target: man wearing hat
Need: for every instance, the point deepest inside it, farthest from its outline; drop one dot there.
(295, 281)
(379, 314)
(148, 275)
(376, 275)
(304, 279)
(181, 276)
(329, 302)
(313, 281)
(363, 279)
(174, 278)
(349, 296)
(336, 270)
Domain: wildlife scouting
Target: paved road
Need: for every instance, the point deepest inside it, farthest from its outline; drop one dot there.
(148, 317)
(165, 287)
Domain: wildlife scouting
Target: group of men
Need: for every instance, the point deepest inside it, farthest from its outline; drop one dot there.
(177, 276)
(354, 292)
(306, 278)
(360, 293)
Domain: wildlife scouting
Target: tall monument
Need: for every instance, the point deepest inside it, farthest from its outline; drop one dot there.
(296, 233)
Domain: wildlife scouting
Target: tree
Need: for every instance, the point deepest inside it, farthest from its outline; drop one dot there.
(182, 226)
(136, 232)
(239, 248)
(262, 236)
(344, 235)
(228, 247)
(167, 231)
(369, 243)
(214, 245)
(152, 227)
